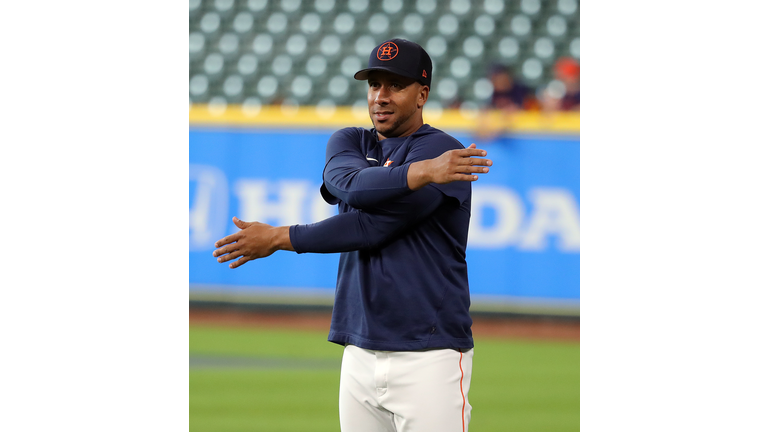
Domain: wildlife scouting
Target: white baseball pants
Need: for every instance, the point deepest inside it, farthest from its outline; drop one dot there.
(405, 391)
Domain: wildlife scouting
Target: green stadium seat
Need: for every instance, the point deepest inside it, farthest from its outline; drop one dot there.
(473, 48)
(364, 45)
(316, 66)
(233, 88)
(493, 7)
(574, 48)
(520, 26)
(530, 7)
(344, 24)
(263, 45)
(301, 88)
(557, 27)
(198, 88)
(426, 7)
(413, 25)
(210, 23)
(448, 26)
(195, 8)
(567, 7)
(378, 25)
(350, 65)
(437, 47)
(213, 66)
(243, 23)
(460, 69)
(357, 7)
(196, 46)
(225, 8)
(330, 46)
(338, 88)
(484, 26)
(460, 7)
(310, 24)
(482, 90)
(257, 6)
(296, 46)
(267, 88)
(290, 7)
(508, 49)
(544, 48)
(277, 24)
(282, 65)
(532, 70)
(392, 7)
(325, 7)
(229, 45)
(247, 66)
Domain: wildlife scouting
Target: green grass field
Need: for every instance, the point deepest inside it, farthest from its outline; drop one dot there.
(286, 380)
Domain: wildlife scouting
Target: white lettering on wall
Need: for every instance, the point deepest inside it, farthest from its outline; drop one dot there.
(554, 213)
(207, 207)
(509, 215)
(285, 209)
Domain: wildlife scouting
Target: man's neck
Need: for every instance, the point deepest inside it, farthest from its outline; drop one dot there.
(409, 132)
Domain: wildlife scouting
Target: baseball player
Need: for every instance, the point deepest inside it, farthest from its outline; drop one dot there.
(401, 308)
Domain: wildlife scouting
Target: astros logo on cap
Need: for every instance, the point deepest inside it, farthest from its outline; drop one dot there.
(387, 51)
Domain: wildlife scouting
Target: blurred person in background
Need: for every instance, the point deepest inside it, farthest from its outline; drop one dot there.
(509, 96)
(562, 94)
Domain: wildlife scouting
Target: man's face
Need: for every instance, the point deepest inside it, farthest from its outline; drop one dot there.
(393, 102)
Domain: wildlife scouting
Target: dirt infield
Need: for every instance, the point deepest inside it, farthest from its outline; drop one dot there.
(496, 327)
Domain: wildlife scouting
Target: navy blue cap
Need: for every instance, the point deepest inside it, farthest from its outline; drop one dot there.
(401, 57)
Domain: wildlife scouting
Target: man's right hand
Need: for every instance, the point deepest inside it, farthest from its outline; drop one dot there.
(451, 166)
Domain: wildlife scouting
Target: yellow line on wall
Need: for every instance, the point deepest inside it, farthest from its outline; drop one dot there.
(489, 122)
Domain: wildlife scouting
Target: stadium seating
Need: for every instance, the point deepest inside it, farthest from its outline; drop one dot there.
(304, 52)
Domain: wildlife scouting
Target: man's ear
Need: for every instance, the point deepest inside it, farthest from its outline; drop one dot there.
(423, 96)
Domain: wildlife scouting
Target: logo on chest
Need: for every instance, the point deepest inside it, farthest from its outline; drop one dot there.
(387, 163)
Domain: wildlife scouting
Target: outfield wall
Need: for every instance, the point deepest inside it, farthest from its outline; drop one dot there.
(524, 242)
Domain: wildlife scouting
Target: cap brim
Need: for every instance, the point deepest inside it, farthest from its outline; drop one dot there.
(363, 74)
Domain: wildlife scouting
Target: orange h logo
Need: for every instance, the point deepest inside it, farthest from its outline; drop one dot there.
(387, 51)
(424, 73)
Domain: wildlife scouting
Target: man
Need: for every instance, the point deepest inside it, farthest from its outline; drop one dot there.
(402, 298)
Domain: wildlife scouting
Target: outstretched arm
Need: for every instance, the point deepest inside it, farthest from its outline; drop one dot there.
(356, 230)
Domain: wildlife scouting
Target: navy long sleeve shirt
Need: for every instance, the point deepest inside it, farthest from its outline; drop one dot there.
(402, 281)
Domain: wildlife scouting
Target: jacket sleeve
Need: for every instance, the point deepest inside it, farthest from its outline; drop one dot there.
(431, 148)
(371, 229)
(349, 177)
